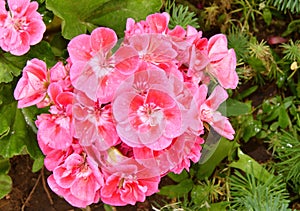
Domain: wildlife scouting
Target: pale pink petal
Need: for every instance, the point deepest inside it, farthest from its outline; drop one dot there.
(217, 47)
(218, 96)
(222, 126)
(224, 71)
(126, 60)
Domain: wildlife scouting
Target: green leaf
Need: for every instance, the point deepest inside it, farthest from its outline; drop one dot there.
(78, 17)
(38, 164)
(4, 166)
(253, 127)
(4, 127)
(284, 118)
(19, 137)
(43, 52)
(236, 108)
(178, 177)
(250, 166)
(267, 16)
(247, 92)
(293, 26)
(223, 150)
(179, 190)
(10, 66)
(199, 195)
(5, 185)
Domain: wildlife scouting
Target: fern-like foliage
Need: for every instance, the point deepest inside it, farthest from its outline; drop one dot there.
(288, 155)
(283, 5)
(239, 41)
(251, 194)
(180, 15)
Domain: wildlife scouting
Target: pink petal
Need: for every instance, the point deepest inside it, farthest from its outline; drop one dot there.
(224, 71)
(126, 59)
(17, 7)
(85, 188)
(80, 49)
(217, 47)
(158, 23)
(222, 126)
(218, 96)
(103, 39)
(23, 46)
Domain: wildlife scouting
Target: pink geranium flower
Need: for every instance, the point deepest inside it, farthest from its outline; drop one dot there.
(93, 123)
(32, 87)
(127, 182)
(20, 27)
(146, 110)
(93, 71)
(212, 58)
(175, 158)
(56, 157)
(55, 129)
(78, 180)
(207, 109)
(188, 148)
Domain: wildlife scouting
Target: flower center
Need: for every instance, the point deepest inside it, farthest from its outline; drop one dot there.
(150, 114)
(19, 24)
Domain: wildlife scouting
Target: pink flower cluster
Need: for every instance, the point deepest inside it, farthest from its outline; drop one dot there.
(20, 27)
(121, 118)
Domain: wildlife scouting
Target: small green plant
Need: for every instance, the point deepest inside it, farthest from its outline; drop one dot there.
(250, 193)
(180, 15)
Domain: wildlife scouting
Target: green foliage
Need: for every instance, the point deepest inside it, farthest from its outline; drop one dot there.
(179, 190)
(294, 26)
(250, 193)
(5, 184)
(78, 17)
(16, 137)
(250, 166)
(239, 41)
(180, 15)
(291, 51)
(288, 154)
(286, 5)
(223, 150)
(5, 180)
